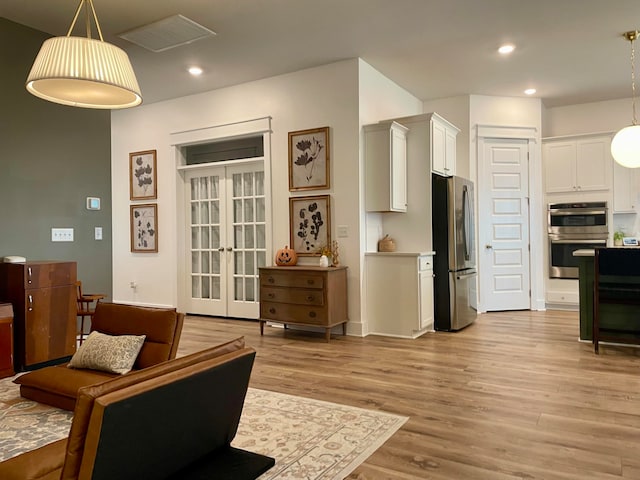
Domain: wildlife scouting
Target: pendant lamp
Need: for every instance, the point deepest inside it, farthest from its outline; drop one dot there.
(84, 72)
(625, 146)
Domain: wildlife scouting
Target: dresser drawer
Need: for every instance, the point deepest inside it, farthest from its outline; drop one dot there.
(300, 296)
(292, 279)
(289, 313)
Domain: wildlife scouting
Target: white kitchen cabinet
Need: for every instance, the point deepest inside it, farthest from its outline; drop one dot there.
(577, 164)
(443, 146)
(625, 189)
(385, 147)
(399, 293)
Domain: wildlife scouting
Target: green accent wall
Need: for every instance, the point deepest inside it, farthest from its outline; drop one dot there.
(51, 158)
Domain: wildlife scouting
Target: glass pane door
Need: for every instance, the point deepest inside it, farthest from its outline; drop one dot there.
(249, 238)
(206, 282)
(227, 239)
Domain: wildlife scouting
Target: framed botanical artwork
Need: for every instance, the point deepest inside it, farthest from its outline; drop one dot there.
(309, 159)
(144, 228)
(142, 175)
(310, 224)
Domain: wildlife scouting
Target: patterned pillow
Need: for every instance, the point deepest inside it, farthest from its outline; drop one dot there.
(115, 354)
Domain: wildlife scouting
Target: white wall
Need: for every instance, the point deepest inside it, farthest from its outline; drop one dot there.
(379, 99)
(608, 116)
(317, 97)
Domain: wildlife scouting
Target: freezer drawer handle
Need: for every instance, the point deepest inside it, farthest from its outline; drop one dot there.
(465, 276)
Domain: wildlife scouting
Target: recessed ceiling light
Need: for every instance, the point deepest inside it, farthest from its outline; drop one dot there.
(505, 49)
(195, 71)
(530, 91)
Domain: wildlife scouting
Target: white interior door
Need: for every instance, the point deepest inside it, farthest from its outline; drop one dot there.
(503, 198)
(226, 239)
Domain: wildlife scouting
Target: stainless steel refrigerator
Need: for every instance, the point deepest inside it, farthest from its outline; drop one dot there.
(455, 259)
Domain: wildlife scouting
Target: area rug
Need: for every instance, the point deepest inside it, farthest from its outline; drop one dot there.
(310, 439)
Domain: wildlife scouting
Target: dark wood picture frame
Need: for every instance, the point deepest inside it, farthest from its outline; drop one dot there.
(310, 224)
(309, 155)
(144, 228)
(143, 177)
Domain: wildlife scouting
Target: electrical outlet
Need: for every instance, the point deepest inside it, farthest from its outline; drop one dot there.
(98, 233)
(62, 234)
(343, 231)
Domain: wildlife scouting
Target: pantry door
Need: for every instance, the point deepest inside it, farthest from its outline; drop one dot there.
(227, 239)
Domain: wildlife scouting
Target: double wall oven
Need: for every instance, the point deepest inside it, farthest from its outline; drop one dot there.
(574, 226)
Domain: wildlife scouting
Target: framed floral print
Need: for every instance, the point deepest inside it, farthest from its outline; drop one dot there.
(144, 228)
(310, 224)
(142, 175)
(309, 159)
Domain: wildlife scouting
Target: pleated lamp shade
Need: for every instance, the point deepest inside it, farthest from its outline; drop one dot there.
(83, 72)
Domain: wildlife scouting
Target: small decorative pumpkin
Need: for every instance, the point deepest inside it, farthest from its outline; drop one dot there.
(286, 257)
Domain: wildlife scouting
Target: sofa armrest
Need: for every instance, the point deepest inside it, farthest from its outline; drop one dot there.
(44, 463)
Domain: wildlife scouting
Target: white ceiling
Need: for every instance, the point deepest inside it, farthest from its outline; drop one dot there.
(572, 51)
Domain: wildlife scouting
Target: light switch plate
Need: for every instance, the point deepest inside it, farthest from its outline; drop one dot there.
(62, 234)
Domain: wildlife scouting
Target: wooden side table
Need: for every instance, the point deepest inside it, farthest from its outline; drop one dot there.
(6, 340)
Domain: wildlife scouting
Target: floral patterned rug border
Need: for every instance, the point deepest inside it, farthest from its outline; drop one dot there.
(310, 439)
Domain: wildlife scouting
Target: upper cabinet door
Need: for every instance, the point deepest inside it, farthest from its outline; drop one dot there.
(593, 164)
(443, 146)
(385, 146)
(560, 167)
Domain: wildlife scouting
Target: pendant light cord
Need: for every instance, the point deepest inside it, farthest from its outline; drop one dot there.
(633, 81)
(90, 10)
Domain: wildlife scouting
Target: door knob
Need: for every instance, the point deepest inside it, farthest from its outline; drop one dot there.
(488, 247)
(229, 249)
(221, 249)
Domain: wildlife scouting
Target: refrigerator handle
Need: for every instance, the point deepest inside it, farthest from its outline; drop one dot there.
(465, 276)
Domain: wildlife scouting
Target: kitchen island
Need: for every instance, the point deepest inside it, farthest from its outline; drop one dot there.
(622, 316)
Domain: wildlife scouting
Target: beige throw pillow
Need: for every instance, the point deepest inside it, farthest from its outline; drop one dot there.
(115, 354)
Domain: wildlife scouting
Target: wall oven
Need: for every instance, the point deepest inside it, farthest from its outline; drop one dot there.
(574, 226)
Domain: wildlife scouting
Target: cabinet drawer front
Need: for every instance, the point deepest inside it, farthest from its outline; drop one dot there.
(284, 279)
(300, 296)
(41, 275)
(425, 263)
(283, 312)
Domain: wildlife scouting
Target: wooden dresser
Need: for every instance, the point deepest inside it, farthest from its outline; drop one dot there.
(6, 340)
(43, 295)
(304, 295)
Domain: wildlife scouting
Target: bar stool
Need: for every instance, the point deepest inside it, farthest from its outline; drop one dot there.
(86, 307)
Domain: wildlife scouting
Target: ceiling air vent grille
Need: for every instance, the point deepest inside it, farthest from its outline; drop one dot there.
(168, 33)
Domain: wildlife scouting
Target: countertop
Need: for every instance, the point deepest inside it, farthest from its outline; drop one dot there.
(400, 254)
(590, 252)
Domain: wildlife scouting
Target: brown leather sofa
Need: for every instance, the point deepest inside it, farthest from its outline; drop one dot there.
(175, 420)
(58, 385)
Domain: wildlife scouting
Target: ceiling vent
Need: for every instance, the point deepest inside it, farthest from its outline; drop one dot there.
(167, 33)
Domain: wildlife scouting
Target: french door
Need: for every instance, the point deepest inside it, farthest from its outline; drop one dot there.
(226, 239)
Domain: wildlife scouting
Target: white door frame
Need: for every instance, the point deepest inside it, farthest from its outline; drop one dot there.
(536, 220)
(179, 140)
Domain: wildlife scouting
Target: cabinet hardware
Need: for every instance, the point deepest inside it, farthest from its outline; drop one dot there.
(229, 249)
(312, 314)
(30, 307)
(310, 298)
(272, 310)
(270, 280)
(221, 249)
(29, 273)
(271, 295)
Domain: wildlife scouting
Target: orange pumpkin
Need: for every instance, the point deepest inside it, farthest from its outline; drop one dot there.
(286, 257)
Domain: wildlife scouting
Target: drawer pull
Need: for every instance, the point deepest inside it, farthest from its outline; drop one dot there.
(271, 295)
(30, 306)
(312, 314)
(310, 281)
(270, 280)
(310, 298)
(29, 273)
(272, 310)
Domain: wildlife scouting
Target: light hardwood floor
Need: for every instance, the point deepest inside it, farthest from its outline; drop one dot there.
(513, 396)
